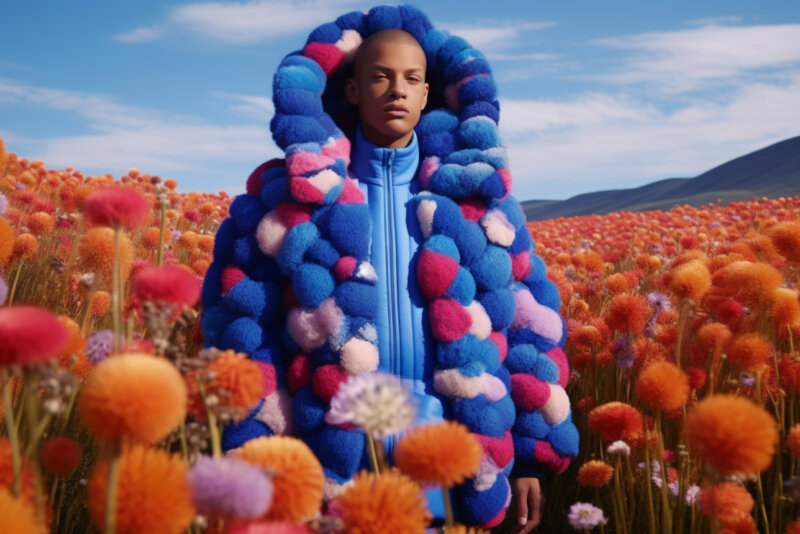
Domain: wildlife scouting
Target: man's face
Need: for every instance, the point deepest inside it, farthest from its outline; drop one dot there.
(390, 91)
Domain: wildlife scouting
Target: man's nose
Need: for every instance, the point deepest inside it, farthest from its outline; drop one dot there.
(399, 89)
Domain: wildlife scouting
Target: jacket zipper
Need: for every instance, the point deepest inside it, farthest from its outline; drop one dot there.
(389, 234)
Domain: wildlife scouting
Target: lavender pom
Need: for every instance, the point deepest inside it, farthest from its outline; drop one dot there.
(229, 488)
(98, 346)
(3, 290)
(3, 204)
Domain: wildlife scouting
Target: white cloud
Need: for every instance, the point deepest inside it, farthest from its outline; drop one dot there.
(156, 142)
(239, 23)
(558, 149)
(699, 57)
(251, 106)
(495, 35)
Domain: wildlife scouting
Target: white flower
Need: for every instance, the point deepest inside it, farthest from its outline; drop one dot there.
(620, 448)
(585, 516)
(376, 402)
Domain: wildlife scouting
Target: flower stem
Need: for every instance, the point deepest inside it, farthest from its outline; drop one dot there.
(448, 507)
(14, 283)
(116, 299)
(111, 494)
(213, 426)
(163, 229)
(665, 510)
(647, 484)
(373, 455)
(13, 438)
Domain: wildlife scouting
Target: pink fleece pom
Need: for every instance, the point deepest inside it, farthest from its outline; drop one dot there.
(501, 450)
(293, 213)
(299, 373)
(276, 412)
(528, 392)
(556, 409)
(304, 329)
(540, 319)
(496, 520)
(493, 387)
(350, 194)
(339, 149)
(326, 54)
(303, 162)
(435, 273)
(359, 356)
(271, 233)
(449, 319)
(497, 228)
(343, 268)
(472, 208)
(501, 342)
(304, 191)
(329, 316)
(229, 278)
(426, 170)
(254, 181)
(520, 265)
(269, 381)
(425, 212)
(505, 175)
(543, 453)
(558, 356)
(327, 379)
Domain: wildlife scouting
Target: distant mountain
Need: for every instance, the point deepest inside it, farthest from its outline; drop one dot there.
(773, 171)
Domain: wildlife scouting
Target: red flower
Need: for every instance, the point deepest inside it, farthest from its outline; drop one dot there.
(116, 206)
(29, 335)
(61, 455)
(171, 284)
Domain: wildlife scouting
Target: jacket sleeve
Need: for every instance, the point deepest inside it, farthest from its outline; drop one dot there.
(545, 438)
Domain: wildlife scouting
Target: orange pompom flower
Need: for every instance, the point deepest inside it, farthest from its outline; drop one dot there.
(377, 505)
(615, 420)
(61, 455)
(298, 477)
(750, 352)
(6, 241)
(25, 247)
(30, 335)
(786, 312)
(713, 337)
(17, 516)
(96, 251)
(727, 502)
(426, 454)
(153, 493)
(690, 280)
(732, 434)
(793, 440)
(662, 386)
(116, 206)
(151, 238)
(627, 313)
(40, 223)
(100, 303)
(752, 284)
(233, 378)
(136, 396)
(595, 473)
(616, 283)
(786, 238)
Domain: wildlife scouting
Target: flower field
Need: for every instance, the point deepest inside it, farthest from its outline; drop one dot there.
(683, 339)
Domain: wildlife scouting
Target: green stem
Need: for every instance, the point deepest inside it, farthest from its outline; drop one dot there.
(666, 515)
(648, 482)
(373, 455)
(761, 504)
(14, 283)
(13, 438)
(111, 494)
(116, 298)
(213, 427)
(448, 507)
(163, 228)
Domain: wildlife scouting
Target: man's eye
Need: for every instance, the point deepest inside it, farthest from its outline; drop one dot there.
(413, 79)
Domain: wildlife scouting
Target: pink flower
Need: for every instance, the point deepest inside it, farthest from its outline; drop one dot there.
(116, 206)
(172, 285)
(29, 335)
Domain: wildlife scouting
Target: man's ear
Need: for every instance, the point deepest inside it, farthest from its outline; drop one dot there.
(425, 96)
(351, 91)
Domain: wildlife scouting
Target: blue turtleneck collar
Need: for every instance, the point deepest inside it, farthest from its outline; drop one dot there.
(369, 162)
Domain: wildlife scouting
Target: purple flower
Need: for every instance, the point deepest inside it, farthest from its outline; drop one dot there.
(229, 488)
(585, 516)
(746, 379)
(659, 302)
(3, 204)
(98, 346)
(624, 353)
(3, 290)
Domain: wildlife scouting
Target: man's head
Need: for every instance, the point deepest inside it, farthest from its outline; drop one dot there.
(388, 86)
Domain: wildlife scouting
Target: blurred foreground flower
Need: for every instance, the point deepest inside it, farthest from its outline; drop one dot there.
(727, 502)
(61, 455)
(171, 285)
(426, 454)
(229, 488)
(29, 335)
(16, 516)
(585, 516)
(116, 206)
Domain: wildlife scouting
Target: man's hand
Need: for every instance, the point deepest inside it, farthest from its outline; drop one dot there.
(528, 499)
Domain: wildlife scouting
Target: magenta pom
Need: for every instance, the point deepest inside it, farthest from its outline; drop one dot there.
(435, 273)
(520, 265)
(502, 344)
(299, 373)
(449, 319)
(326, 54)
(327, 379)
(528, 392)
(558, 356)
(343, 268)
(472, 208)
(500, 450)
(292, 213)
(229, 278)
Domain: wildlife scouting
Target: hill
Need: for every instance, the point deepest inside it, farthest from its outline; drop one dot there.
(773, 171)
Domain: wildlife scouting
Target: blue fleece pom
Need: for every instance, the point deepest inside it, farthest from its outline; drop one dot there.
(355, 298)
(326, 33)
(213, 322)
(212, 285)
(415, 22)
(493, 186)
(523, 448)
(337, 449)
(297, 59)
(532, 425)
(447, 219)
(246, 253)
(297, 102)
(223, 241)
(437, 144)
(290, 129)
(297, 241)
(330, 127)
(270, 352)
(247, 297)
(492, 270)
(443, 245)
(459, 352)
(479, 132)
(482, 416)
(526, 335)
(431, 44)
(352, 21)
(460, 181)
(564, 438)
(449, 49)
(519, 358)
(292, 77)
(382, 18)
(246, 211)
(308, 410)
(267, 271)
(495, 157)
(513, 212)
(275, 191)
(438, 120)
(546, 293)
(272, 301)
(312, 284)
(480, 108)
(236, 434)
(478, 88)
(348, 224)
(504, 376)
(463, 287)
(325, 355)
(522, 241)
(242, 335)
(322, 252)
(468, 62)
(472, 369)
(471, 241)
(538, 271)
(499, 305)
(481, 506)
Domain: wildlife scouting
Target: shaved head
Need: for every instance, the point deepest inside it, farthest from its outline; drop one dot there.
(392, 35)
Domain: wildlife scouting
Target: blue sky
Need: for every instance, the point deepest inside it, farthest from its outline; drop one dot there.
(594, 95)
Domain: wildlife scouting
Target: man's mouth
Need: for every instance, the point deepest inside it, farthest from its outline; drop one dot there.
(396, 110)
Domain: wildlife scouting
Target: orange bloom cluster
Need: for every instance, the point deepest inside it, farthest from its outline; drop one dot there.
(662, 386)
(426, 454)
(615, 420)
(595, 473)
(727, 502)
(236, 382)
